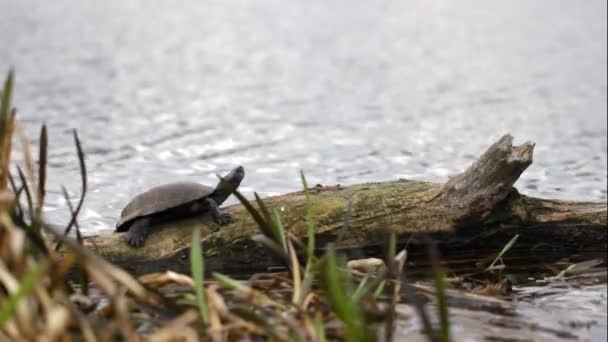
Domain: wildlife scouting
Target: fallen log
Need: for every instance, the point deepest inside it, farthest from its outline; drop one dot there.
(470, 217)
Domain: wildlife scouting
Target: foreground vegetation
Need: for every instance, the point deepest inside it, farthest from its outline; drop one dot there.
(38, 300)
(318, 297)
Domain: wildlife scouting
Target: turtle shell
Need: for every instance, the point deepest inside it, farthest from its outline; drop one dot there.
(161, 198)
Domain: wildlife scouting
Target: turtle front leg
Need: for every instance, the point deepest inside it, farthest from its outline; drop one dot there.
(218, 216)
(138, 233)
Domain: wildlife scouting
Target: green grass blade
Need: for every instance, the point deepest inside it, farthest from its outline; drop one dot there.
(279, 230)
(310, 223)
(582, 266)
(392, 247)
(272, 247)
(309, 277)
(197, 268)
(230, 283)
(362, 289)
(265, 213)
(319, 328)
(503, 251)
(5, 102)
(441, 284)
(442, 306)
(339, 290)
(379, 289)
(339, 287)
(296, 273)
(27, 286)
(310, 245)
(248, 292)
(271, 227)
(263, 224)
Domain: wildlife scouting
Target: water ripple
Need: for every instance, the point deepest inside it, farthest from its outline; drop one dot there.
(350, 93)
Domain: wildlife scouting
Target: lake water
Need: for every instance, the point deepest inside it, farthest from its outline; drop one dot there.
(348, 91)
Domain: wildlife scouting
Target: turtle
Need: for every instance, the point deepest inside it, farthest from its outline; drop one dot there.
(174, 201)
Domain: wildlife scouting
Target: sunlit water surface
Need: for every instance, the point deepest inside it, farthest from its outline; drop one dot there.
(349, 91)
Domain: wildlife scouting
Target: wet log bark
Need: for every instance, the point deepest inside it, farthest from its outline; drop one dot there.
(471, 216)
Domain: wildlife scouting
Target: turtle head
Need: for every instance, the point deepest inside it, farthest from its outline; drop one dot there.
(228, 184)
(235, 176)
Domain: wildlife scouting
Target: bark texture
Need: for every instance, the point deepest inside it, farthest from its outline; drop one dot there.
(472, 215)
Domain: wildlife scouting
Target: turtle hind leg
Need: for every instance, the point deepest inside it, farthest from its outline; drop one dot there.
(218, 216)
(138, 233)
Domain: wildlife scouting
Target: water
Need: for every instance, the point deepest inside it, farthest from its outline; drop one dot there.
(349, 91)
(558, 314)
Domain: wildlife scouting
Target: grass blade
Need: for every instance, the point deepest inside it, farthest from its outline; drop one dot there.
(263, 208)
(279, 230)
(83, 178)
(257, 217)
(5, 103)
(27, 286)
(26, 188)
(82, 276)
(575, 268)
(271, 228)
(442, 306)
(244, 290)
(362, 289)
(7, 121)
(339, 288)
(310, 243)
(378, 291)
(295, 274)
(443, 335)
(582, 266)
(310, 223)
(197, 268)
(18, 212)
(272, 246)
(319, 328)
(66, 196)
(503, 251)
(42, 161)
